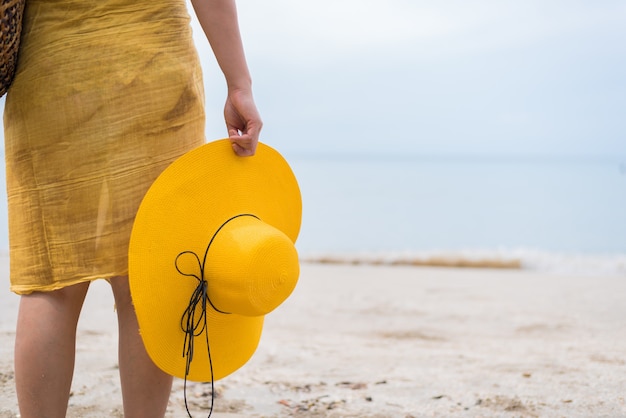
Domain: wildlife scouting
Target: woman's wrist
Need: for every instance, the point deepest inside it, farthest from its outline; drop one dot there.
(235, 84)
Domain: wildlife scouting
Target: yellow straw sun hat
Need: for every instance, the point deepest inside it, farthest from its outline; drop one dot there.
(216, 230)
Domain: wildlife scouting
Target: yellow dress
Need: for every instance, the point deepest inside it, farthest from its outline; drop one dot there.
(108, 93)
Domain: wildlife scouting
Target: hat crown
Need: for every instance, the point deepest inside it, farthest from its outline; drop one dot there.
(251, 267)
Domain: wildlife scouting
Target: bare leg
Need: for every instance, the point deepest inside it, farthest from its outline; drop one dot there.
(145, 388)
(45, 345)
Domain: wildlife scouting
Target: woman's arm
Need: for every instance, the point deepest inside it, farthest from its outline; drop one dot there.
(218, 19)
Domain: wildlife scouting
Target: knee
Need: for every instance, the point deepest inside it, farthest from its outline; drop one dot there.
(54, 310)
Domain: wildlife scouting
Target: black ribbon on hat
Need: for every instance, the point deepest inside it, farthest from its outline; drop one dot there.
(194, 323)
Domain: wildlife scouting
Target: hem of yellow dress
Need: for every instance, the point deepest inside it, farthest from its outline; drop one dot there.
(28, 289)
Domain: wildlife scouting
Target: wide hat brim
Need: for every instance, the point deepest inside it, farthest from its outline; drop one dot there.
(181, 211)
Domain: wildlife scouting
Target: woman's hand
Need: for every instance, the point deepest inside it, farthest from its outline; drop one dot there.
(243, 122)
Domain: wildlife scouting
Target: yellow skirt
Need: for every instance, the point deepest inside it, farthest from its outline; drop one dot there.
(108, 93)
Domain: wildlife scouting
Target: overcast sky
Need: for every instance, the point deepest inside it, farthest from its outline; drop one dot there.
(396, 77)
(393, 77)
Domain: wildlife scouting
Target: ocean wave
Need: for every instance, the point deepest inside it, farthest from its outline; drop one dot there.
(522, 259)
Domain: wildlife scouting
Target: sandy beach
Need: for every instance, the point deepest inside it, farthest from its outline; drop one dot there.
(391, 341)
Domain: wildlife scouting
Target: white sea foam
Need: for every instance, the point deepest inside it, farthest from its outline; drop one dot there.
(582, 264)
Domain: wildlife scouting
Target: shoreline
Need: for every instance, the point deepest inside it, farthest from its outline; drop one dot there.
(508, 259)
(415, 261)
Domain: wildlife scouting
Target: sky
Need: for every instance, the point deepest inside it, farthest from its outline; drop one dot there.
(410, 77)
(414, 77)
(363, 78)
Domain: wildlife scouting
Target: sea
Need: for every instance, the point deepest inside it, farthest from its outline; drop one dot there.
(537, 213)
(563, 215)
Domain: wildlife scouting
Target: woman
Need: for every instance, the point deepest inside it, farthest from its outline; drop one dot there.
(108, 93)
